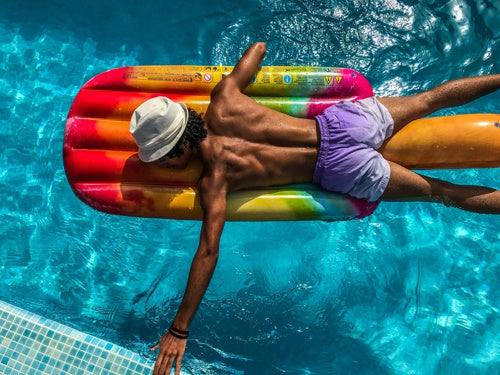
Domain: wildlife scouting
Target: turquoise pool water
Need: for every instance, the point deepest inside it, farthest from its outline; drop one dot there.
(413, 289)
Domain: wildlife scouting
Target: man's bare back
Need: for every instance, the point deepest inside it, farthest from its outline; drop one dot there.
(248, 145)
(253, 146)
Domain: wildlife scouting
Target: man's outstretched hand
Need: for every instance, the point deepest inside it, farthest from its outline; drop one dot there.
(171, 349)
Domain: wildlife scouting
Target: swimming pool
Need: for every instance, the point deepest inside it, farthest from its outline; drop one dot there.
(411, 289)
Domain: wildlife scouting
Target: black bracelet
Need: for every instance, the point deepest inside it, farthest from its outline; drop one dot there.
(177, 333)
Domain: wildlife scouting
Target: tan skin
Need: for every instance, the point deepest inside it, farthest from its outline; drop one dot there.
(249, 145)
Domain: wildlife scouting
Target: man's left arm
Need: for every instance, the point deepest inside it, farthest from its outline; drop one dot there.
(247, 66)
(212, 194)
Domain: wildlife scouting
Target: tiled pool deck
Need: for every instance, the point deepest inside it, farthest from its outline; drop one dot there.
(30, 344)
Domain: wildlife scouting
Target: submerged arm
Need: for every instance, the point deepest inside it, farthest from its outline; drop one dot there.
(212, 194)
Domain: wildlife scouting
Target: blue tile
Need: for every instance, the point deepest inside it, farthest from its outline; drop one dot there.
(33, 328)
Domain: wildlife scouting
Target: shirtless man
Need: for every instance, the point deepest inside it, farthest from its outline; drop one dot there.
(245, 145)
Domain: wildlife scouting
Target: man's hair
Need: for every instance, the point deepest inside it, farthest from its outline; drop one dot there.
(195, 133)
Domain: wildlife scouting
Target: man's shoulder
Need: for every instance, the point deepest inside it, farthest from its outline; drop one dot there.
(213, 160)
(223, 97)
(225, 88)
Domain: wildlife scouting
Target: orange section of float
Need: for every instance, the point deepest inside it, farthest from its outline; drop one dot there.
(461, 141)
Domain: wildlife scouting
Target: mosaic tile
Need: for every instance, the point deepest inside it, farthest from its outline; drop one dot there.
(31, 344)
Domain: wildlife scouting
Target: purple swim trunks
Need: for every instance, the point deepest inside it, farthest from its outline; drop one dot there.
(348, 162)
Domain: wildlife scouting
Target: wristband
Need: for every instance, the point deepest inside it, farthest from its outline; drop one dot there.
(177, 333)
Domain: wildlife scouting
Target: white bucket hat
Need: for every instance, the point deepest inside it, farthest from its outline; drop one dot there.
(157, 125)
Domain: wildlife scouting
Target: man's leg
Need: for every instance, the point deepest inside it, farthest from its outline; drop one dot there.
(405, 185)
(405, 109)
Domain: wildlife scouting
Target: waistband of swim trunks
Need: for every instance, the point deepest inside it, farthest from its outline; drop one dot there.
(324, 133)
(322, 128)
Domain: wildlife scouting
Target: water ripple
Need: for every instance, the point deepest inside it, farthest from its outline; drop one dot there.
(413, 288)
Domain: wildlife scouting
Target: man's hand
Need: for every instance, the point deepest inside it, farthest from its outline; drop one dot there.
(171, 349)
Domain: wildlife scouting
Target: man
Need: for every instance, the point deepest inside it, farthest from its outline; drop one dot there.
(244, 145)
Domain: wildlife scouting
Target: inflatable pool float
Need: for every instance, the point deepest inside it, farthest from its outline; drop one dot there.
(104, 171)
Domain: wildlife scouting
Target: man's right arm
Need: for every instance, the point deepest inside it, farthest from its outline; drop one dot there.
(247, 66)
(213, 201)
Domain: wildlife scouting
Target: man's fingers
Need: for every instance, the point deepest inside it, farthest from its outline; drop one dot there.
(167, 355)
(166, 366)
(155, 347)
(158, 363)
(178, 366)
